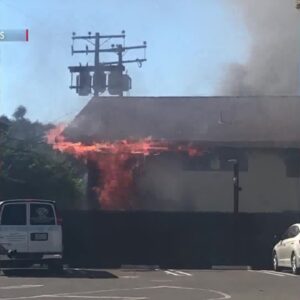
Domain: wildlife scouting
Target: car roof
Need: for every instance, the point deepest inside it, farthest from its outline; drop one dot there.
(26, 200)
(296, 224)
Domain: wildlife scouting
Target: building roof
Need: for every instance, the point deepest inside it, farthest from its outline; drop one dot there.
(262, 121)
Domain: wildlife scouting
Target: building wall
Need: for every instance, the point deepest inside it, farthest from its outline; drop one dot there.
(268, 186)
(166, 184)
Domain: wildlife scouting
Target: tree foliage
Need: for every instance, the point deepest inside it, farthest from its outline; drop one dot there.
(20, 112)
(29, 168)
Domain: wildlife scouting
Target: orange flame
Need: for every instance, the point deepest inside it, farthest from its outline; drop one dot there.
(116, 161)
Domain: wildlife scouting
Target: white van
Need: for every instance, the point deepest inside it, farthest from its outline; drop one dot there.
(30, 233)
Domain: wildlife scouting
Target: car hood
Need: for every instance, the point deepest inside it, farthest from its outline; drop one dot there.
(277, 244)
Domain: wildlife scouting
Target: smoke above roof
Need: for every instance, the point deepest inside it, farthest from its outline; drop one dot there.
(272, 67)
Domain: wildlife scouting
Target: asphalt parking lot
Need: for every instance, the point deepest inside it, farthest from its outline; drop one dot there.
(149, 284)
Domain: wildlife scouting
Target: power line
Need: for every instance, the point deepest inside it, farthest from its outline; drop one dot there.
(64, 115)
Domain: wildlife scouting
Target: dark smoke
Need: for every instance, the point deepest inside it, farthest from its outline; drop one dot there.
(273, 64)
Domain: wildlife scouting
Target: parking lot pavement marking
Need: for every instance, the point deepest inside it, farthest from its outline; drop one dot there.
(270, 273)
(83, 295)
(27, 297)
(181, 272)
(104, 297)
(75, 296)
(289, 274)
(279, 273)
(172, 273)
(177, 273)
(23, 286)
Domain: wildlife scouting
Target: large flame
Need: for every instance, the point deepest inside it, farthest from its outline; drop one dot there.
(117, 162)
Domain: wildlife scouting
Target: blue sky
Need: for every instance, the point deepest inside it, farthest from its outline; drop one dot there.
(190, 43)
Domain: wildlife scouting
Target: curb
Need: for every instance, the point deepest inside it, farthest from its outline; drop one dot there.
(234, 268)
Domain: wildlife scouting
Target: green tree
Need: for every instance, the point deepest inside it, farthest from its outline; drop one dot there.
(30, 168)
(20, 112)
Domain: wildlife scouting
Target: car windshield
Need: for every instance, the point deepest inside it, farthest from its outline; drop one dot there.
(150, 135)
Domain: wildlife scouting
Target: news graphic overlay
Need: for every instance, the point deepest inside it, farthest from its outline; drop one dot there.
(14, 35)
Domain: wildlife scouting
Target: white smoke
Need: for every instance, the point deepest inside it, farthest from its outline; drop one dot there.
(273, 64)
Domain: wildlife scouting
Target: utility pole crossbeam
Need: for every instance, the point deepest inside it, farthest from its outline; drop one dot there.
(106, 75)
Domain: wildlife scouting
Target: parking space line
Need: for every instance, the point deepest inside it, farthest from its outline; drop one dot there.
(283, 273)
(289, 274)
(103, 297)
(23, 286)
(110, 297)
(172, 273)
(272, 273)
(182, 273)
(269, 273)
(177, 273)
(84, 294)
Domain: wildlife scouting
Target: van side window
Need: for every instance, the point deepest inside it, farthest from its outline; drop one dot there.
(41, 214)
(14, 214)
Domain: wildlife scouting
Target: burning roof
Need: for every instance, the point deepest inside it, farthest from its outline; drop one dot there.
(116, 134)
(262, 121)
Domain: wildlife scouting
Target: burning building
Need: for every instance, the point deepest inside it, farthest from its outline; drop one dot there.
(172, 153)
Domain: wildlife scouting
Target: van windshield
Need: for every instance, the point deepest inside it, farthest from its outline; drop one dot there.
(41, 214)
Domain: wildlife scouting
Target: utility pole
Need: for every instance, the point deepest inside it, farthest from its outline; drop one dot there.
(97, 61)
(103, 75)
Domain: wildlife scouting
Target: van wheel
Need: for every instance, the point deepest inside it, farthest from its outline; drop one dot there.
(55, 267)
(294, 264)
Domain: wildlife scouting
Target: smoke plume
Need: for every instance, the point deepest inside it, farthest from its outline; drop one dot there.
(273, 64)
